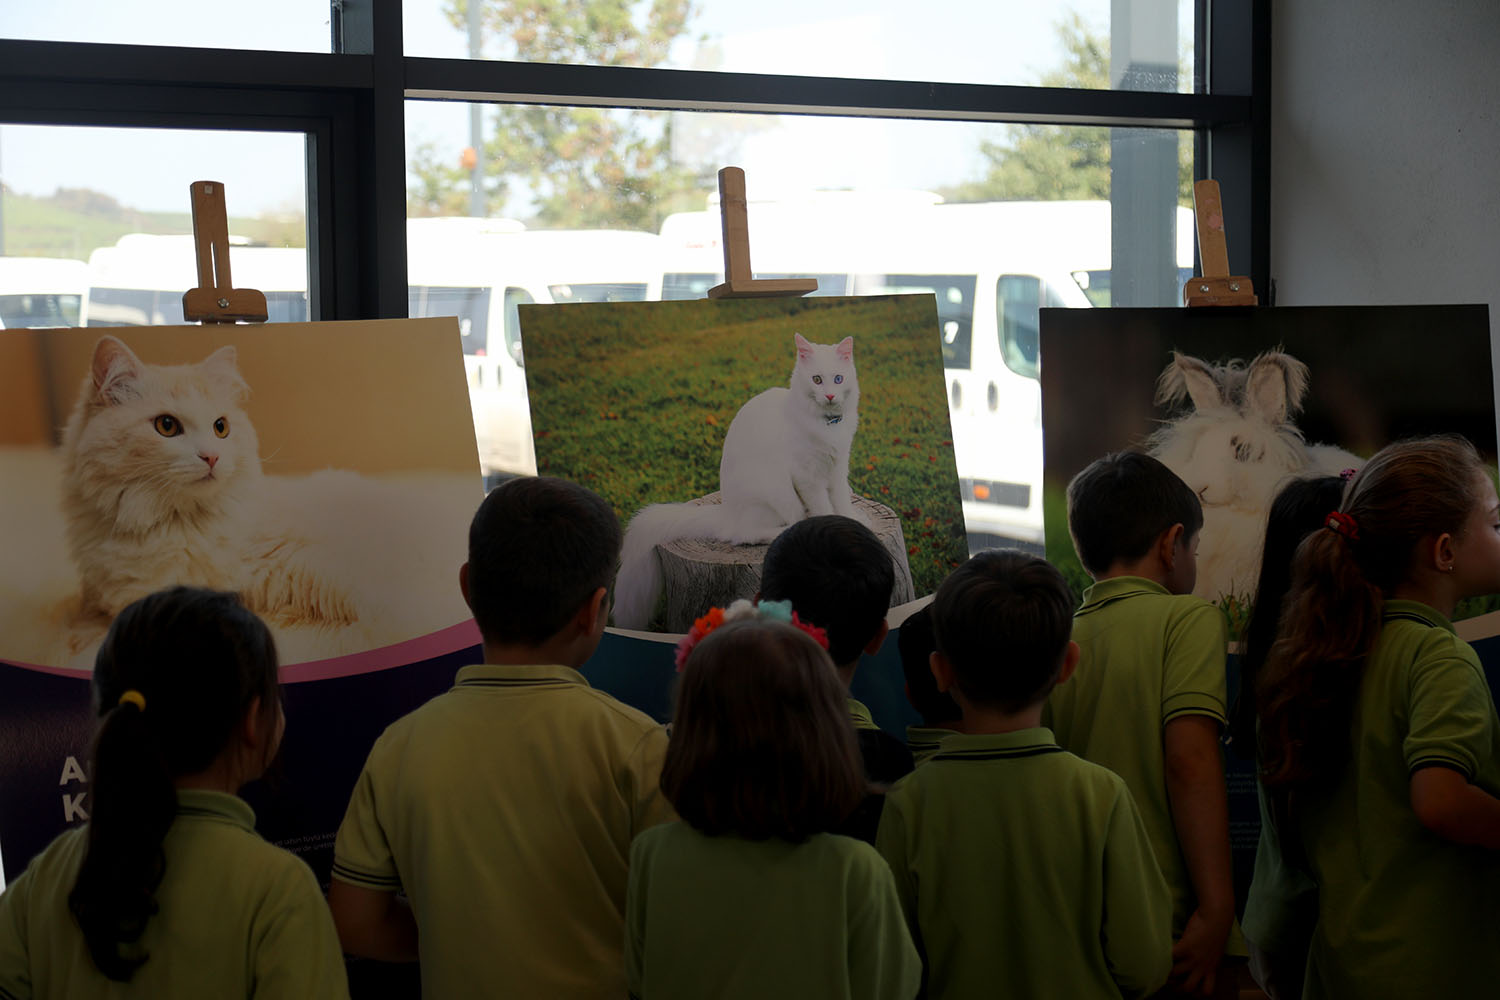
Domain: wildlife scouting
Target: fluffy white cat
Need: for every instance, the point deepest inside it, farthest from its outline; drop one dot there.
(785, 457)
(162, 485)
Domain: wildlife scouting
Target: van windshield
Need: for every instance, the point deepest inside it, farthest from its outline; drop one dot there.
(37, 309)
(955, 306)
(470, 305)
(155, 307)
(602, 291)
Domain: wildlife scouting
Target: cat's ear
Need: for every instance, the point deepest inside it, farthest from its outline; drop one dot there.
(845, 349)
(223, 365)
(116, 371)
(804, 347)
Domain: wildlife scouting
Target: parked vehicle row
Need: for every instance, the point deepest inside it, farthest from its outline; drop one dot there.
(990, 268)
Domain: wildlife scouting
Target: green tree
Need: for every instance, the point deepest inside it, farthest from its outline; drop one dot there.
(582, 167)
(1053, 162)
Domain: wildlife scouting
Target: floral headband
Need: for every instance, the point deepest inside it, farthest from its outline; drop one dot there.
(743, 610)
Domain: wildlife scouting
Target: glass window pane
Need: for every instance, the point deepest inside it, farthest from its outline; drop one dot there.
(994, 221)
(96, 223)
(281, 25)
(959, 41)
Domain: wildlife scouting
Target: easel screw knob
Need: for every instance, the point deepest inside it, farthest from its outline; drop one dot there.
(223, 303)
(1234, 286)
(1203, 288)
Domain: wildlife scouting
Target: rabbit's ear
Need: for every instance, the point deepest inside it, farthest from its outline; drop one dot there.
(1275, 386)
(1187, 377)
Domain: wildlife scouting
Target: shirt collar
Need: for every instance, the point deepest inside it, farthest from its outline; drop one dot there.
(1118, 587)
(215, 805)
(1415, 610)
(861, 715)
(997, 746)
(487, 675)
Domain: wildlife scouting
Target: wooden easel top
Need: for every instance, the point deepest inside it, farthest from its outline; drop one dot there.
(215, 300)
(738, 283)
(1215, 287)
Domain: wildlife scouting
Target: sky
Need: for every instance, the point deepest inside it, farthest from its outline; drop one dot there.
(263, 173)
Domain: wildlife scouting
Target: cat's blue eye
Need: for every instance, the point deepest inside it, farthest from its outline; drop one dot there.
(817, 380)
(837, 379)
(167, 425)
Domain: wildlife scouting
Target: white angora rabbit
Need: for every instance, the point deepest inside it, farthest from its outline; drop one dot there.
(1235, 448)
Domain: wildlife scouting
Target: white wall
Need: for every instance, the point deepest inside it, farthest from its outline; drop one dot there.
(1385, 153)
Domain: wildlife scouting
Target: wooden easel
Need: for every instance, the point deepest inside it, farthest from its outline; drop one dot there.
(1215, 287)
(738, 283)
(215, 300)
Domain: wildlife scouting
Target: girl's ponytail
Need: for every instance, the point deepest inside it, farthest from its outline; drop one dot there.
(133, 804)
(175, 675)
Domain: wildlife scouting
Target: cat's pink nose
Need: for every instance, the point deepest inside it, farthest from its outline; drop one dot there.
(212, 460)
(829, 395)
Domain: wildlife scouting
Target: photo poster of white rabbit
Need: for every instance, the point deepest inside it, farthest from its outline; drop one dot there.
(1239, 401)
(326, 472)
(784, 407)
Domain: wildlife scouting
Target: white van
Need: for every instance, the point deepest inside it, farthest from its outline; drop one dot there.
(991, 267)
(140, 280)
(41, 291)
(482, 271)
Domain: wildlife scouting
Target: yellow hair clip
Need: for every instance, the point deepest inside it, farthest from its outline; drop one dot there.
(135, 698)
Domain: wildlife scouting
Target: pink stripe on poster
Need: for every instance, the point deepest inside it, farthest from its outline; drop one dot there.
(464, 635)
(448, 640)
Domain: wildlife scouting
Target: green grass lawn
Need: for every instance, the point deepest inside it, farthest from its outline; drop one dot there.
(634, 399)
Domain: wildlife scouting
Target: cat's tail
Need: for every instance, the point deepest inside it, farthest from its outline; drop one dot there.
(639, 582)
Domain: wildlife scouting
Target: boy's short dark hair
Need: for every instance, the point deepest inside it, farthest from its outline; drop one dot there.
(914, 640)
(761, 743)
(838, 576)
(538, 547)
(1003, 620)
(1120, 505)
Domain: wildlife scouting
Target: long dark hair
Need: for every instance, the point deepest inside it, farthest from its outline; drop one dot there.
(1308, 686)
(198, 659)
(761, 740)
(1300, 507)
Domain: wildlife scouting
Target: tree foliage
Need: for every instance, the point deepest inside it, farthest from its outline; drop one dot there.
(1053, 162)
(581, 167)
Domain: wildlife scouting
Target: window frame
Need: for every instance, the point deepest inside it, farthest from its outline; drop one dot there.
(351, 103)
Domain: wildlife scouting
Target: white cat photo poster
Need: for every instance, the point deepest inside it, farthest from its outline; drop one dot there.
(771, 409)
(327, 472)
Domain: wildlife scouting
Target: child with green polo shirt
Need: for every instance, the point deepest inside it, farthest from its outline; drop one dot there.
(1023, 870)
(839, 577)
(505, 807)
(752, 895)
(1379, 737)
(940, 716)
(1148, 700)
(168, 891)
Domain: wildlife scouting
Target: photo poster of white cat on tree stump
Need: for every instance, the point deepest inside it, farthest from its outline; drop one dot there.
(711, 425)
(1239, 402)
(326, 472)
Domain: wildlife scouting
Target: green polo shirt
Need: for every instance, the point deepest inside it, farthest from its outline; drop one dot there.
(1148, 657)
(1402, 912)
(860, 715)
(505, 808)
(237, 917)
(731, 918)
(923, 741)
(1026, 871)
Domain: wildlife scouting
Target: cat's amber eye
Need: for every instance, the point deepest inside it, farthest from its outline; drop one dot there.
(221, 427)
(817, 380)
(167, 425)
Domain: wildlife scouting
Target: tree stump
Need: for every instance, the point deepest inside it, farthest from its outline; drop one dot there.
(702, 573)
